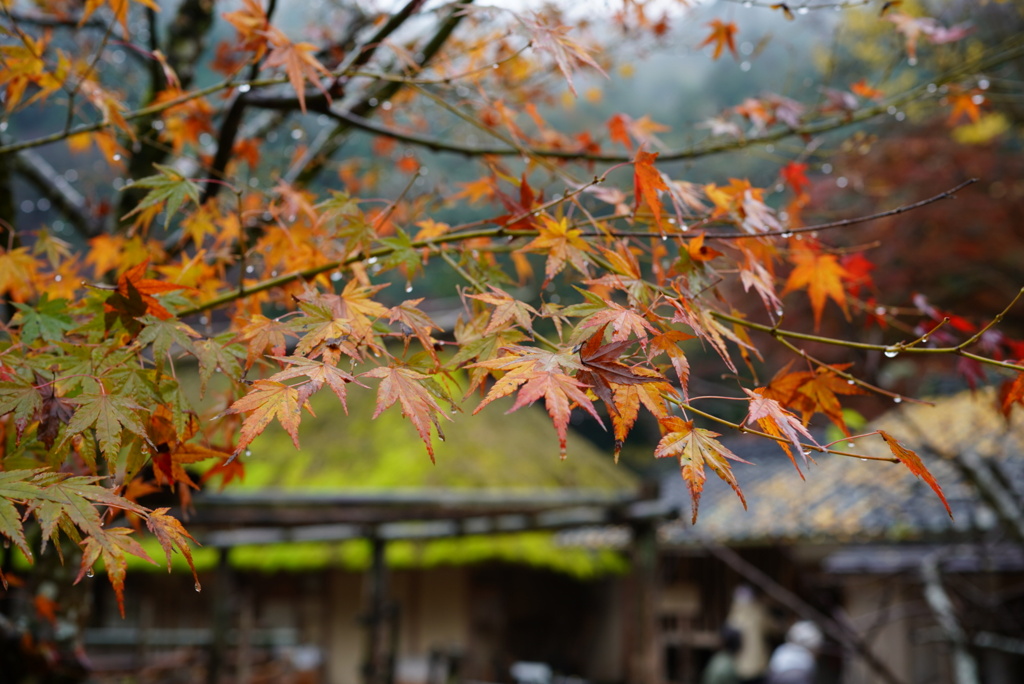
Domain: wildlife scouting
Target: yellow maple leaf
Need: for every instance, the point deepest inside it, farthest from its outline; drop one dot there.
(561, 243)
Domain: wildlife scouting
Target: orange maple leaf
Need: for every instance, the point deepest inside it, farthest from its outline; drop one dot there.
(618, 131)
(299, 64)
(862, 89)
(538, 373)
(778, 422)
(700, 252)
(119, 8)
(172, 535)
(913, 462)
(965, 103)
(647, 181)
(419, 404)
(696, 448)
(134, 282)
(822, 276)
(251, 23)
(811, 392)
(723, 35)
(268, 400)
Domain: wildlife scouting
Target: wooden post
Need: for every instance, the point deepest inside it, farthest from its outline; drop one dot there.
(642, 643)
(378, 660)
(222, 599)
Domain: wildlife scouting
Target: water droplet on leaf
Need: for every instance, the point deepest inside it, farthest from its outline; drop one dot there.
(90, 573)
(199, 587)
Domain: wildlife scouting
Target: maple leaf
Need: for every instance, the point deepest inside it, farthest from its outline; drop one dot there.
(811, 392)
(823, 277)
(251, 23)
(268, 399)
(779, 422)
(16, 485)
(477, 344)
(134, 287)
(698, 251)
(618, 131)
(22, 399)
(602, 368)
(1011, 392)
(318, 373)
(562, 244)
(324, 328)
(228, 470)
(696, 448)
(668, 343)
(964, 103)
(262, 333)
(171, 535)
(73, 499)
(411, 319)
(913, 462)
(647, 181)
(794, 174)
(723, 35)
(862, 89)
(168, 190)
(218, 355)
(48, 320)
(506, 309)
(163, 334)
(629, 398)
(553, 40)
(537, 373)
(109, 415)
(119, 8)
(419, 404)
(625, 323)
(17, 273)
(54, 412)
(299, 64)
(111, 545)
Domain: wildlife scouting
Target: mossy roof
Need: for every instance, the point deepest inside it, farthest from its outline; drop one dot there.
(490, 453)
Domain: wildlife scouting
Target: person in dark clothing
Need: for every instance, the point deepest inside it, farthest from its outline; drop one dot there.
(721, 668)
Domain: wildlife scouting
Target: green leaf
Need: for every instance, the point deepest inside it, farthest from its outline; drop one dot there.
(108, 414)
(216, 356)
(168, 188)
(48, 320)
(164, 334)
(22, 399)
(15, 485)
(404, 256)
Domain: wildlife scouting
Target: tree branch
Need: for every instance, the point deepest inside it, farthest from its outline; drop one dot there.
(59, 191)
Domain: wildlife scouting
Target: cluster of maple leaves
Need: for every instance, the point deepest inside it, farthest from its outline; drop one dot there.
(285, 292)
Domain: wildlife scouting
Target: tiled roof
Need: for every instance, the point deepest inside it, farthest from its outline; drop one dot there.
(847, 499)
